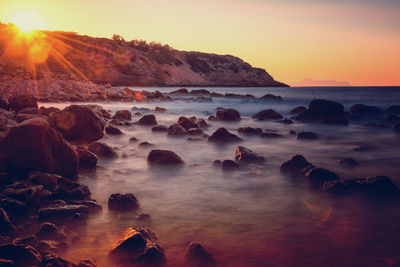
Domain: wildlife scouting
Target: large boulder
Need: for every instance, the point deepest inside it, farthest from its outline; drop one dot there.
(149, 120)
(223, 136)
(163, 157)
(198, 256)
(35, 146)
(295, 165)
(267, 114)
(323, 111)
(22, 255)
(19, 102)
(367, 111)
(78, 124)
(229, 114)
(138, 246)
(246, 155)
(122, 202)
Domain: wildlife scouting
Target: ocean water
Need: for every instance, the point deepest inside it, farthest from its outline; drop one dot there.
(254, 216)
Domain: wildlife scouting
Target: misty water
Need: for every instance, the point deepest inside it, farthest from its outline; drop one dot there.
(254, 216)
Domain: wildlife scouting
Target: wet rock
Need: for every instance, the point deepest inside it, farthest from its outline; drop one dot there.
(19, 102)
(307, 136)
(138, 246)
(67, 189)
(148, 120)
(212, 118)
(22, 255)
(320, 175)
(349, 162)
(366, 111)
(229, 114)
(182, 91)
(198, 256)
(380, 186)
(159, 128)
(48, 111)
(271, 97)
(195, 131)
(186, 123)
(123, 115)
(87, 159)
(93, 206)
(250, 130)
(145, 144)
(6, 226)
(323, 111)
(52, 260)
(35, 146)
(49, 181)
(295, 165)
(102, 150)
(391, 119)
(122, 202)
(111, 130)
(49, 231)
(298, 110)
(285, 121)
(160, 110)
(222, 136)
(31, 110)
(271, 135)
(200, 92)
(217, 162)
(267, 114)
(87, 263)
(176, 129)
(229, 165)
(244, 154)
(61, 212)
(306, 117)
(133, 139)
(12, 206)
(163, 157)
(78, 124)
(201, 123)
(394, 110)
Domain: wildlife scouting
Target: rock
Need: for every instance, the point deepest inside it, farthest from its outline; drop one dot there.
(61, 212)
(295, 165)
(102, 150)
(391, 119)
(396, 127)
(366, 111)
(250, 130)
(195, 131)
(160, 110)
(22, 255)
(307, 136)
(123, 115)
(201, 123)
(222, 136)
(6, 178)
(271, 135)
(285, 121)
(49, 181)
(148, 120)
(52, 260)
(12, 206)
(212, 118)
(49, 231)
(133, 139)
(198, 256)
(93, 206)
(145, 144)
(159, 128)
(271, 97)
(30, 110)
(394, 110)
(200, 92)
(111, 130)
(380, 186)
(87, 263)
(78, 124)
(87, 159)
(323, 111)
(35, 146)
(267, 114)
(229, 165)
(143, 217)
(6, 226)
(19, 102)
(182, 91)
(47, 111)
(4, 103)
(176, 129)
(186, 123)
(229, 114)
(349, 162)
(163, 157)
(66, 189)
(298, 110)
(320, 175)
(138, 246)
(122, 202)
(244, 154)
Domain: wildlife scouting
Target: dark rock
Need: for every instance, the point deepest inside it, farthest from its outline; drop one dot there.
(285, 121)
(380, 186)
(143, 217)
(145, 144)
(195, 131)
(93, 206)
(271, 97)
(366, 111)
(87, 159)
(295, 165)
(217, 162)
(4, 103)
(323, 111)
(159, 128)
(163, 157)
(6, 178)
(49, 181)
(12, 206)
(349, 162)
(21, 255)
(229, 165)
(78, 124)
(200, 92)
(102, 150)
(250, 130)
(267, 114)
(111, 130)
(212, 118)
(307, 136)
(298, 110)
(6, 226)
(186, 123)
(396, 127)
(244, 154)
(49, 231)
(201, 123)
(87, 263)
(176, 129)
(52, 260)
(133, 139)
(198, 256)
(66, 189)
(271, 135)
(391, 119)
(122, 115)
(122, 202)
(19, 102)
(320, 175)
(149, 120)
(395, 110)
(31, 110)
(182, 91)
(229, 114)
(160, 110)
(222, 136)
(61, 211)
(35, 146)
(47, 111)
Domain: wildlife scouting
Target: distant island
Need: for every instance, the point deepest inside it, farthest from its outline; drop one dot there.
(310, 82)
(69, 56)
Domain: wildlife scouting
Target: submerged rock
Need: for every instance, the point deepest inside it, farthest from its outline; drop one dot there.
(147, 120)
(229, 165)
(366, 110)
(298, 110)
(222, 136)
(198, 256)
(267, 114)
(229, 114)
(244, 154)
(271, 135)
(159, 128)
(186, 123)
(122, 202)
(295, 165)
(163, 157)
(102, 150)
(49, 231)
(307, 136)
(271, 97)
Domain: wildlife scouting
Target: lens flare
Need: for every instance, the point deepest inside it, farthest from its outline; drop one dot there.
(27, 21)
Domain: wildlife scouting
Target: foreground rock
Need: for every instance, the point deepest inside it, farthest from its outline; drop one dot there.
(223, 136)
(138, 247)
(267, 114)
(246, 155)
(21, 255)
(229, 114)
(323, 111)
(122, 202)
(35, 146)
(198, 256)
(78, 124)
(163, 157)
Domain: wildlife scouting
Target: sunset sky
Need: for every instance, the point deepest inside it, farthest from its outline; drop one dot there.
(357, 41)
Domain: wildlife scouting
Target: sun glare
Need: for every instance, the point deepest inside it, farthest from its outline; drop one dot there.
(27, 21)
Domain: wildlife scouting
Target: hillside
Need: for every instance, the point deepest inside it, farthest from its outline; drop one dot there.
(69, 56)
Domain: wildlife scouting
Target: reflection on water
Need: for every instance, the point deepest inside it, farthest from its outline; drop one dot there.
(254, 216)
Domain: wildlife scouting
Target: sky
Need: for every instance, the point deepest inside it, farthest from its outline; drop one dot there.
(355, 41)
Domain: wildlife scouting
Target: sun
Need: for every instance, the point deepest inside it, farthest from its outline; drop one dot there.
(27, 21)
